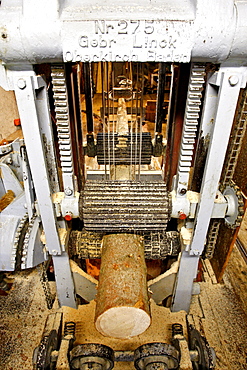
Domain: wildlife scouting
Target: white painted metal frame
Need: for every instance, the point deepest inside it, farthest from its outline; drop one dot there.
(34, 114)
(229, 81)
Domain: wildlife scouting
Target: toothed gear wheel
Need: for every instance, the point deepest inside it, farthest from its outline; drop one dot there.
(18, 242)
(48, 344)
(235, 205)
(205, 359)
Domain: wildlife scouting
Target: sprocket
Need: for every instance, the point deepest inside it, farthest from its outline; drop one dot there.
(235, 210)
(42, 355)
(205, 359)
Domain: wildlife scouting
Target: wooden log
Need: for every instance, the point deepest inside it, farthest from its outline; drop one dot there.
(122, 303)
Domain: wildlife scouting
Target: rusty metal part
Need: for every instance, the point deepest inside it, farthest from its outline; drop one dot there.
(212, 238)
(85, 244)
(177, 329)
(69, 328)
(43, 355)
(45, 285)
(124, 206)
(152, 356)
(204, 354)
(92, 356)
(157, 245)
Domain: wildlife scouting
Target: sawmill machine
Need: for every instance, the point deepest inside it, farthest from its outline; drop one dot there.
(134, 143)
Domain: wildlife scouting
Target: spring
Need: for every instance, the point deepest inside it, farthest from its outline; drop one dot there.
(69, 328)
(177, 329)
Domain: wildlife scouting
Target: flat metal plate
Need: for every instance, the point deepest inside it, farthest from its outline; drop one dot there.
(127, 39)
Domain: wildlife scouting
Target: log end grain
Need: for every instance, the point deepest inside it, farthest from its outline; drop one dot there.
(123, 322)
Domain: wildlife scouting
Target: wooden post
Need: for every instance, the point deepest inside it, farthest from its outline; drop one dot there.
(122, 303)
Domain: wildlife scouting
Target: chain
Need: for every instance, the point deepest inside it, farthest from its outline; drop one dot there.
(212, 238)
(41, 357)
(45, 285)
(227, 175)
(235, 144)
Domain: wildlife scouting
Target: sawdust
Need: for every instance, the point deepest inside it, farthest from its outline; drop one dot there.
(160, 329)
(217, 313)
(22, 316)
(237, 273)
(6, 199)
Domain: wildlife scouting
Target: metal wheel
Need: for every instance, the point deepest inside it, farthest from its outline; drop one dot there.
(42, 354)
(92, 356)
(153, 356)
(235, 205)
(204, 358)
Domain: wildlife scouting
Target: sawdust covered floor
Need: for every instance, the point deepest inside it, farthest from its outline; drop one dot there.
(217, 311)
(22, 316)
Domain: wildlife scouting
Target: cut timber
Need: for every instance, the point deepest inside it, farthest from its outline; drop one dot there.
(122, 303)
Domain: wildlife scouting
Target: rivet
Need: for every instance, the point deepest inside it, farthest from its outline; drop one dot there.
(233, 80)
(68, 191)
(21, 83)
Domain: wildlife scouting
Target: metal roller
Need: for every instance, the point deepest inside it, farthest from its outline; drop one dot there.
(118, 206)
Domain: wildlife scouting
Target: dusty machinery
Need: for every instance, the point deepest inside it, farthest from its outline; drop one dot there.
(94, 178)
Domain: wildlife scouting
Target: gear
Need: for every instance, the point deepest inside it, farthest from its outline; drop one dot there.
(205, 358)
(42, 357)
(235, 205)
(18, 242)
(26, 240)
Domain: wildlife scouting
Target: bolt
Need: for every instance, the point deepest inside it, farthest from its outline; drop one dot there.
(233, 80)
(21, 83)
(182, 215)
(182, 191)
(194, 252)
(68, 216)
(68, 191)
(4, 35)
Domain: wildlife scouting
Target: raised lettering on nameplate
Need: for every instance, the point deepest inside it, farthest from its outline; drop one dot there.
(127, 40)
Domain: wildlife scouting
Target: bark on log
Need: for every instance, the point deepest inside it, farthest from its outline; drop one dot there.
(122, 303)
